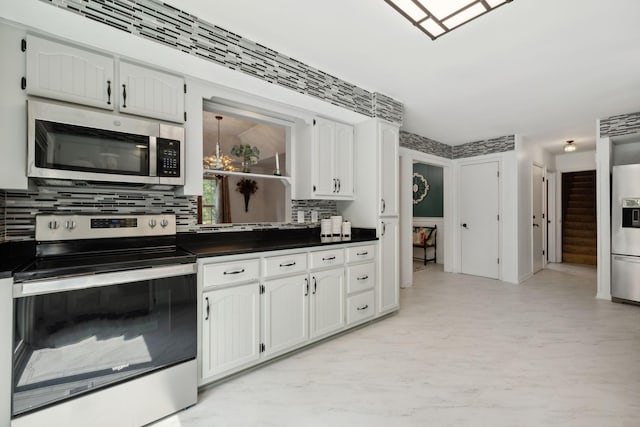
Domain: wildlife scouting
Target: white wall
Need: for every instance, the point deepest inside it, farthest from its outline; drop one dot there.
(576, 161)
(627, 153)
(527, 154)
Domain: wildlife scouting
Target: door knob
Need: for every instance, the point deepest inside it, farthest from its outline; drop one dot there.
(464, 225)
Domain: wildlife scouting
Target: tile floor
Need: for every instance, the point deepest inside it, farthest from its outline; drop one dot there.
(463, 351)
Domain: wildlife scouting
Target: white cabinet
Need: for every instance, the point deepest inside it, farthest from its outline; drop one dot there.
(388, 266)
(327, 302)
(230, 329)
(67, 73)
(376, 174)
(388, 169)
(285, 314)
(325, 161)
(151, 93)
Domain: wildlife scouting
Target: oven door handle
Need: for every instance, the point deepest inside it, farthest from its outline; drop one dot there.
(46, 286)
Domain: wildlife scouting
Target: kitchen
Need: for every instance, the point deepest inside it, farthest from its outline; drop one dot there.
(233, 89)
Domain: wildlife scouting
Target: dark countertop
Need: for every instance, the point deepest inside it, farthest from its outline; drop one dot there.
(14, 255)
(235, 243)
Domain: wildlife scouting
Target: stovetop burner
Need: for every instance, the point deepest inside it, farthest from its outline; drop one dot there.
(89, 244)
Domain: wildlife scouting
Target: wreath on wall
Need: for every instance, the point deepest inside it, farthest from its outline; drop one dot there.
(420, 188)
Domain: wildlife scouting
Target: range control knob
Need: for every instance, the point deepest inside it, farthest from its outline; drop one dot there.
(53, 225)
(164, 223)
(70, 225)
(152, 223)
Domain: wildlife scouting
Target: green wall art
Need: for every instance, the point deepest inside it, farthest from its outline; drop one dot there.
(427, 190)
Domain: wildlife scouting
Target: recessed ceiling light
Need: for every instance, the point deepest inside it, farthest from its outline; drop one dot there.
(438, 17)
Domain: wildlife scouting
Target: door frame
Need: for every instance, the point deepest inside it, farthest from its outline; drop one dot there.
(544, 213)
(407, 157)
(489, 158)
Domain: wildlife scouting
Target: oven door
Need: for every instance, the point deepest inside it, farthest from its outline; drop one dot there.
(78, 144)
(76, 335)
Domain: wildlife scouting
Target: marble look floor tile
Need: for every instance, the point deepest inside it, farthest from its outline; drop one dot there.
(462, 351)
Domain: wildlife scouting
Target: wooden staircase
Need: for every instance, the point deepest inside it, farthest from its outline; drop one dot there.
(579, 236)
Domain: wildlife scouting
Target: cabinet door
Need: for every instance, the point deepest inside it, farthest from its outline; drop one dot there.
(327, 302)
(388, 266)
(323, 161)
(388, 169)
(151, 93)
(69, 74)
(285, 321)
(230, 329)
(344, 159)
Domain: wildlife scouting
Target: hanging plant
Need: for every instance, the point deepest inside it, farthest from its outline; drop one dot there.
(246, 187)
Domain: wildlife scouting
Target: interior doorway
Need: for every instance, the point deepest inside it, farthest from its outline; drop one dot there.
(579, 237)
(537, 218)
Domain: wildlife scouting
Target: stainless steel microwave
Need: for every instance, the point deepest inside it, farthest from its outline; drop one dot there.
(76, 144)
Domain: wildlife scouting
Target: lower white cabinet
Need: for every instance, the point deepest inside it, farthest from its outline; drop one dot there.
(388, 267)
(327, 301)
(285, 313)
(230, 329)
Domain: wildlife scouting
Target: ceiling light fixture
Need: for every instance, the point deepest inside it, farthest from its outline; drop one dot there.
(437, 17)
(569, 146)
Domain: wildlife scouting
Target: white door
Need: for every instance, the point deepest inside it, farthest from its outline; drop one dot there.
(388, 266)
(285, 313)
(150, 93)
(324, 143)
(389, 169)
(344, 159)
(537, 217)
(327, 301)
(479, 226)
(230, 329)
(62, 72)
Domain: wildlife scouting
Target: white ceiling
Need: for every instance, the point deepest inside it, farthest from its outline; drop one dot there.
(544, 69)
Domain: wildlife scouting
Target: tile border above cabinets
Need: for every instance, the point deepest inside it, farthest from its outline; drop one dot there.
(177, 29)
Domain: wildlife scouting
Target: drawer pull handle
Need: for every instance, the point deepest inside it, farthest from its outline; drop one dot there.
(306, 281)
(365, 277)
(235, 271)
(315, 285)
(363, 253)
(329, 258)
(362, 307)
(288, 264)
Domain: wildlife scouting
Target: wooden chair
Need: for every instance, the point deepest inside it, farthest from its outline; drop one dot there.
(425, 237)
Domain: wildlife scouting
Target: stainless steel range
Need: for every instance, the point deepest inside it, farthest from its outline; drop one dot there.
(104, 323)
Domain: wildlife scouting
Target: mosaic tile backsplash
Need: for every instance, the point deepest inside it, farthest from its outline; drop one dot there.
(624, 124)
(177, 29)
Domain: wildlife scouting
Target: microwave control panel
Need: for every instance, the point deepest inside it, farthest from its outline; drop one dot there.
(168, 158)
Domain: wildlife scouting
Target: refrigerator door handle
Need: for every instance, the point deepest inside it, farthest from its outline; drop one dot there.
(632, 259)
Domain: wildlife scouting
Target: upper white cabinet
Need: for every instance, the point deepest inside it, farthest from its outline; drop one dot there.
(376, 174)
(151, 93)
(67, 73)
(325, 161)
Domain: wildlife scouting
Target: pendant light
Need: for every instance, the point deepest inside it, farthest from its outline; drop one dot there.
(569, 146)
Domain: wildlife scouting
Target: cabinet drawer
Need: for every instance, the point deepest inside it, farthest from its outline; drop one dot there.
(328, 258)
(361, 253)
(226, 273)
(361, 277)
(360, 307)
(285, 264)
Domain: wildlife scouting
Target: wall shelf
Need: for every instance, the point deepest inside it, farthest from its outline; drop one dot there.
(286, 179)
